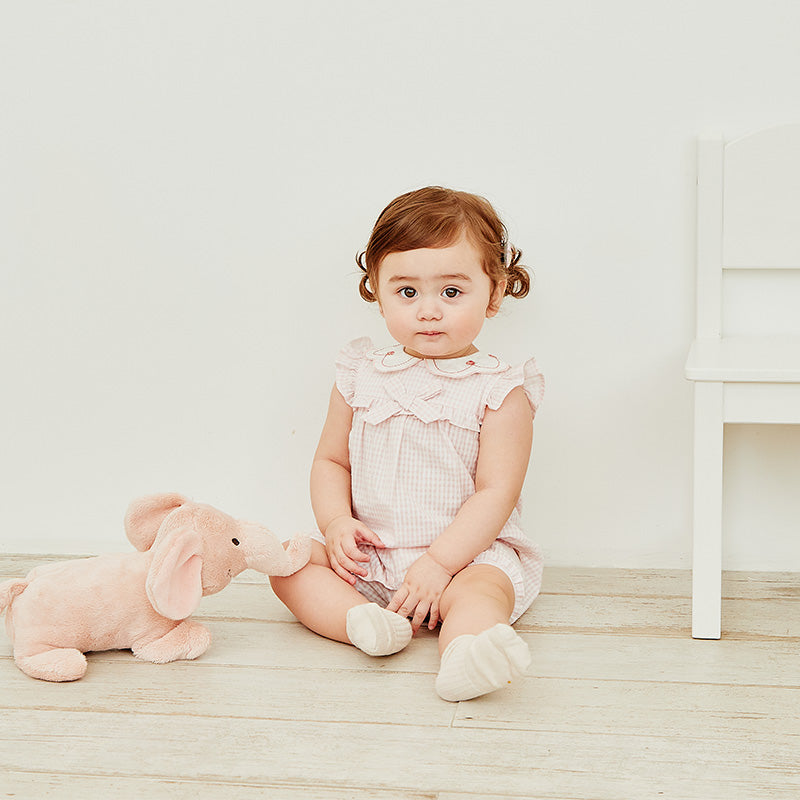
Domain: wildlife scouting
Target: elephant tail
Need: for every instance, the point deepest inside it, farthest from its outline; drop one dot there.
(9, 590)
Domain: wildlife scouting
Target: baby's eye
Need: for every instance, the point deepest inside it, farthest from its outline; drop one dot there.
(451, 292)
(408, 292)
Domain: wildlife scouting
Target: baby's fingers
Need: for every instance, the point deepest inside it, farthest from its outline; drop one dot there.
(343, 573)
(409, 606)
(397, 600)
(344, 567)
(420, 613)
(366, 535)
(433, 615)
(351, 551)
(347, 562)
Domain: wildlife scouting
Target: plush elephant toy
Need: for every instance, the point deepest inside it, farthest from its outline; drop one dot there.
(139, 600)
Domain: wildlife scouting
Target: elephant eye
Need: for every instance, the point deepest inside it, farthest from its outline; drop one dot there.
(235, 541)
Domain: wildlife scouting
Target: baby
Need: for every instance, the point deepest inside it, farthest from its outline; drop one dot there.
(416, 480)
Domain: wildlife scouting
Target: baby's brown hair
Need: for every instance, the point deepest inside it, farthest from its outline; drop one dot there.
(438, 217)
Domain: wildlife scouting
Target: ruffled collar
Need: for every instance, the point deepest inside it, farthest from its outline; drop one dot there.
(394, 359)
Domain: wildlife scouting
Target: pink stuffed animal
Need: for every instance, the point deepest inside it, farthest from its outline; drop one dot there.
(138, 600)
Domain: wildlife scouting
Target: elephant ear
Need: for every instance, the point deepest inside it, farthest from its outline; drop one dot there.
(145, 515)
(174, 581)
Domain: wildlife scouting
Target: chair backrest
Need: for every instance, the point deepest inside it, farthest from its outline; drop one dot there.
(748, 228)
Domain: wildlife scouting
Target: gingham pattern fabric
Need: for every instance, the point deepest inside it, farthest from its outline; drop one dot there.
(414, 453)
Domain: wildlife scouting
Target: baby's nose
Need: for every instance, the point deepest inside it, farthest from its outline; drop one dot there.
(429, 308)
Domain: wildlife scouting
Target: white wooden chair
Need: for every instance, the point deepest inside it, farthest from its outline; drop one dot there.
(748, 218)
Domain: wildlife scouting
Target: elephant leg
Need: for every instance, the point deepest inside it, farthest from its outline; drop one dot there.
(187, 640)
(58, 664)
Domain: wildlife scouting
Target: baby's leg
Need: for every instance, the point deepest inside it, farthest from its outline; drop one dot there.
(333, 608)
(480, 650)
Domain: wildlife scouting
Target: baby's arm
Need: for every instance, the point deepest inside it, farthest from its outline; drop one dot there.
(330, 494)
(505, 447)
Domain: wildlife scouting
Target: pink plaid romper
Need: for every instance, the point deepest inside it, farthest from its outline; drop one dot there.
(414, 453)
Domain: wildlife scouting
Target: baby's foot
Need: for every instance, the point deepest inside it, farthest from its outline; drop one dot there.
(376, 631)
(476, 665)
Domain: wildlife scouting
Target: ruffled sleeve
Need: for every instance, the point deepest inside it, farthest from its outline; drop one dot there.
(348, 362)
(527, 376)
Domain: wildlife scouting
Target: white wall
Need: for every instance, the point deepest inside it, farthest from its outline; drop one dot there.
(183, 186)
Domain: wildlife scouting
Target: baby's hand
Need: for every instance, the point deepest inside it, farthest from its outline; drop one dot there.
(342, 537)
(421, 591)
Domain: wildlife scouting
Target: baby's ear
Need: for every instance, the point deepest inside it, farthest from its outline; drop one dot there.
(496, 299)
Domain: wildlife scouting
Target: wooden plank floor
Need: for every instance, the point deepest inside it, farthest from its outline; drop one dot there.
(620, 703)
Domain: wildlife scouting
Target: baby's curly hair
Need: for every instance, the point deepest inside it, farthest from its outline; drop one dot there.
(438, 217)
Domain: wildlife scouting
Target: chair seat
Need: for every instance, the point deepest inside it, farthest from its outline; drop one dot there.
(744, 359)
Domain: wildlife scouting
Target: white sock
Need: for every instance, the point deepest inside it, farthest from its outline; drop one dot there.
(376, 631)
(475, 665)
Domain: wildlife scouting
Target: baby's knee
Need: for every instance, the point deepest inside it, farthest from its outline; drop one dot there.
(479, 582)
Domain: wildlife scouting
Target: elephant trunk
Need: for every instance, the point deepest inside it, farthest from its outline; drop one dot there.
(264, 553)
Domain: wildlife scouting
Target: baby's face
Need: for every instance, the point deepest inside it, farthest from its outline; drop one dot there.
(435, 300)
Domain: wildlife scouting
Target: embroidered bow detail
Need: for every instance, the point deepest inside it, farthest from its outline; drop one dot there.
(402, 399)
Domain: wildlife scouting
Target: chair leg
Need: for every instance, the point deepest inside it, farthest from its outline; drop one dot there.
(707, 544)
